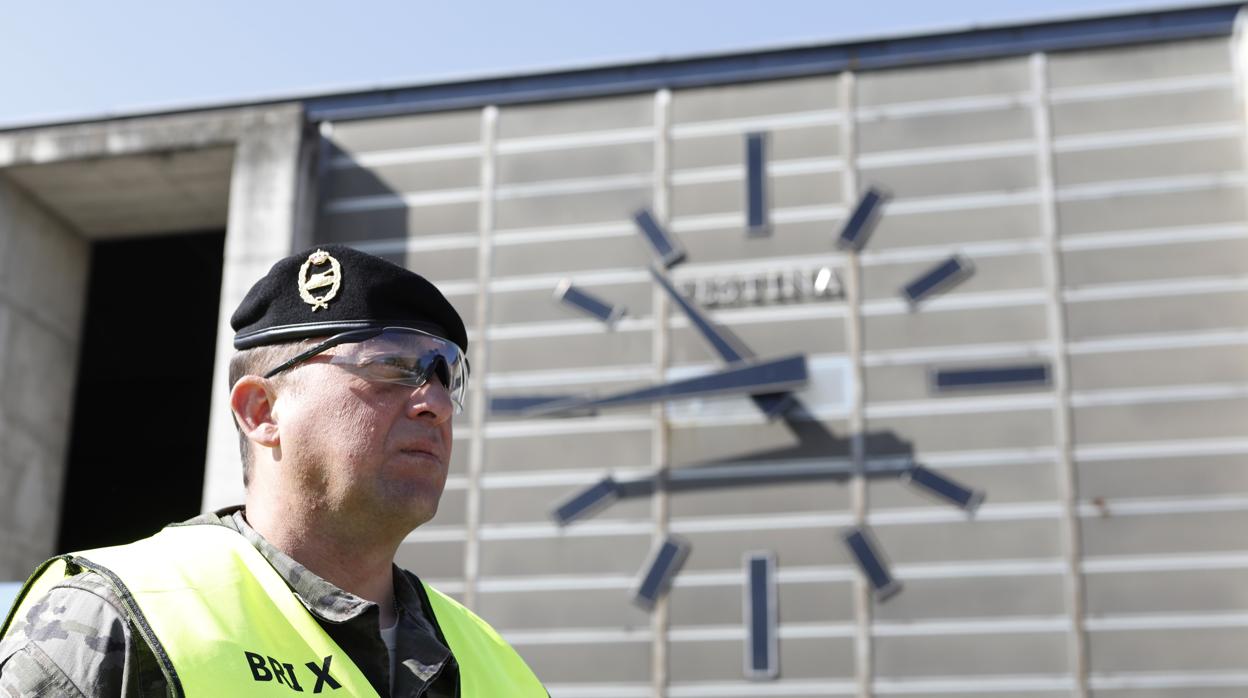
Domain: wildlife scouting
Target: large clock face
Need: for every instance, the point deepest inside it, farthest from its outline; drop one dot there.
(772, 385)
(1088, 374)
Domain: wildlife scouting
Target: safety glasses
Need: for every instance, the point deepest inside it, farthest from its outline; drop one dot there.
(400, 355)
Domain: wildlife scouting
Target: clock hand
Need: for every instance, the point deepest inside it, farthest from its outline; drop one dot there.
(519, 404)
(671, 253)
(771, 404)
(745, 377)
(727, 349)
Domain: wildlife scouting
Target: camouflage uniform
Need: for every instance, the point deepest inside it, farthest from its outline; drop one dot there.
(77, 641)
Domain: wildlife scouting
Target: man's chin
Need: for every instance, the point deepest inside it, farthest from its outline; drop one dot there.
(404, 511)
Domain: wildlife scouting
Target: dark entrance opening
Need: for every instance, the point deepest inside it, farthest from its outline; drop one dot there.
(140, 421)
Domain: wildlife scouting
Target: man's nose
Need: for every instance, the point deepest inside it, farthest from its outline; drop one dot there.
(430, 401)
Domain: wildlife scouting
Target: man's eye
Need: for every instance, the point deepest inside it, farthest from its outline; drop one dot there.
(390, 366)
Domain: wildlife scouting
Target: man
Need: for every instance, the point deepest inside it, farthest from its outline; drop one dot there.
(348, 374)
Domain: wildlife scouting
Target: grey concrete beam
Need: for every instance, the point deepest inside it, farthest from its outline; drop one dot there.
(156, 174)
(141, 135)
(270, 192)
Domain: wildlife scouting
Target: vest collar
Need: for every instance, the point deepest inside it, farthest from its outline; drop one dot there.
(422, 653)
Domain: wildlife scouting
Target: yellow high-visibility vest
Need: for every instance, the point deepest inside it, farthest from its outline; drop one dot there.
(222, 622)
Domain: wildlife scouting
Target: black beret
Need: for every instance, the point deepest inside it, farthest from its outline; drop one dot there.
(333, 288)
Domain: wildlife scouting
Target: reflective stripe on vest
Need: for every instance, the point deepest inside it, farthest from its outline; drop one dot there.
(222, 621)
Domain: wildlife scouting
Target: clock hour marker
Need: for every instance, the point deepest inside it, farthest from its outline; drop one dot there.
(587, 501)
(583, 301)
(664, 564)
(1024, 376)
(944, 488)
(938, 279)
(862, 221)
(664, 245)
(762, 659)
(872, 564)
(757, 214)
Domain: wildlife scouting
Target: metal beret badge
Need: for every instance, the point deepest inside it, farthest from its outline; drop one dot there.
(310, 280)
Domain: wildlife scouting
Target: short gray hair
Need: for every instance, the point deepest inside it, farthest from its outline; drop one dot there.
(256, 362)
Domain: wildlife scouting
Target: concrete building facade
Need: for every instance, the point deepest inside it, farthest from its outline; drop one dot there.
(1088, 180)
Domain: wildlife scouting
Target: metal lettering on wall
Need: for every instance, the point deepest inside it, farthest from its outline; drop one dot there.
(770, 287)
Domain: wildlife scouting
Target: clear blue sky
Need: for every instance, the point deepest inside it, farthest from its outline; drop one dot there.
(64, 61)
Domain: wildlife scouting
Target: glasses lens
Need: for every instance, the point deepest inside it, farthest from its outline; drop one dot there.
(407, 357)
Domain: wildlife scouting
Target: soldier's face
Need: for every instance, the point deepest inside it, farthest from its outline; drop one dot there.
(377, 453)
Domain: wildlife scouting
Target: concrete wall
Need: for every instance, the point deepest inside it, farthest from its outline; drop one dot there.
(43, 276)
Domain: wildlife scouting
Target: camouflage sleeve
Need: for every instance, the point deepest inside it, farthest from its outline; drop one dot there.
(75, 641)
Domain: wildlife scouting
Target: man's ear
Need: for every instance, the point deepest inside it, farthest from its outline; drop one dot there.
(251, 401)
